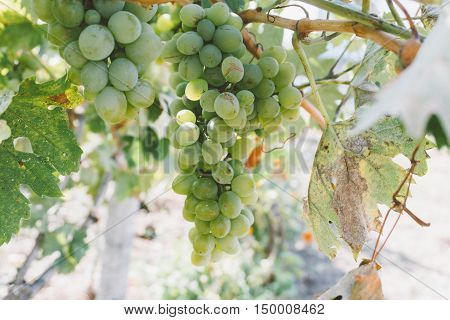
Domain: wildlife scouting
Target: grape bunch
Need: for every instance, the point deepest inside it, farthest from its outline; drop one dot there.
(222, 102)
(108, 46)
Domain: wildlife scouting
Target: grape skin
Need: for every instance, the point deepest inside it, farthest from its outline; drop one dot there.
(142, 95)
(123, 74)
(94, 76)
(96, 42)
(125, 27)
(70, 14)
(108, 7)
(111, 105)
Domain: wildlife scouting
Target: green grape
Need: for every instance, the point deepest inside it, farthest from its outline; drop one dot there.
(186, 28)
(269, 67)
(251, 112)
(223, 173)
(42, 8)
(164, 23)
(220, 226)
(218, 130)
(212, 152)
(146, 48)
(229, 244)
(170, 51)
(89, 95)
(271, 125)
(142, 13)
(267, 108)
(185, 116)
(231, 141)
(235, 20)
(210, 56)
(242, 148)
(111, 105)
(208, 115)
(190, 203)
(218, 13)
(207, 210)
(227, 38)
(92, 16)
(264, 89)
(190, 68)
(216, 254)
(205, 189)
(69, 13)
(285, 76)
(245, 98)
(181, 88)
(96, 42)
(187, 134)
(203, 227)
(240, 226)
(289, 97)
(131, 113)
(190, 156)
(203, 244)
(207, 100)
(60, 35)
(188, 216)
(74, 76)
(125, 27)
(276, 52)
(214, 76)
(195, 89)
(238, 167)
(252, 76)
(226, 105)
(108, 7)
(249, 215)
(239, 53)
(189, 43)
(193, 233)
(250, 200)
(191, 105)
(239, 121)
(182, 184)
(191, 14)
(174, 79)
(199, 260)
(142, 95)
(243, 185)
(123, 74)
(232, 69)
(94, 76)
(205, 28)
(176, 106)
(230, 204)
(290, 114)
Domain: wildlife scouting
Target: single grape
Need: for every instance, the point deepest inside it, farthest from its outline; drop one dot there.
(226, 105)
(74, 76)
(242, 148)
(250, 200)
(276, 52)
(193, 233)
(229, 244)
(170, 51)
(264, 89)
(245, 98)
(203, 227)
(269, 67)
(189, 156)
(60, 35)
(205, 28)
(69, 13)
(181, 88)
(289, 97)
(199, 260)
(94, 76)
(220, 226)
(239, 53)
(190, 203)
(111, 105)
(43, 8)
(214, 76)
(190, 68)
(238, 167)
(142, 95)
(185, 116)
(96, 42)
(144, 14)
(165, 23)
(216, 254)
(123, 74)
(205, 189)
(203, 244)
(189, 43)
(73, 55)
(187, 134)
(219, 131)
(207, 100)
(249, 215)
(285, 76)
(212, 152)
(229, 143)
(218, 13)
(232, 69)
(108, 7)
(207, 210)
(240, 226)
(239, 121)
(92, 16)
(182, 184)
(227, 38)
(290, 114)
(125, 27)
(195, 89)
(176, 106)
(210, 56)
(146, 48)
(188, 216)
(230, 204)
(235, 20)
(223, 173)
(191, 14)
(243, 185)
(267, 108)
(252, 77)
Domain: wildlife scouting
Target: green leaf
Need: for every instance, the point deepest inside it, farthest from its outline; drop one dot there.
(351, 177)
(54, 145)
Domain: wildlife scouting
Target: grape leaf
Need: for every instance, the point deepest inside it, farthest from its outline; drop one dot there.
(54, 145)
(351, 177)
(422, 90)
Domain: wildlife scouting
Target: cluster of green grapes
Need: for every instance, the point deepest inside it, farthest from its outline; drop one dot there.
(222, 103)
(108, 46)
